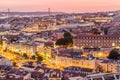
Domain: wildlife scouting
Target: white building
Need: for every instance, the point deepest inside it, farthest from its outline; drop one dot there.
(5, 26)
(4, 62)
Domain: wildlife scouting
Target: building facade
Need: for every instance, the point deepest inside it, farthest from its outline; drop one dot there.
(96, 41)
(79, 62)
(107, 65)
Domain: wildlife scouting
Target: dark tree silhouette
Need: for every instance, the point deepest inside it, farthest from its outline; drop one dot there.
(33, 57)
(105, 31)
(114, 54)
(67, 35)
(95, 31)
(25, 55)
(14, 64)
(39, 58)
(67, 40)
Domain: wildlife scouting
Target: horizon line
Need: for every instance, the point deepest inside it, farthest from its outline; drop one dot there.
(63, 11)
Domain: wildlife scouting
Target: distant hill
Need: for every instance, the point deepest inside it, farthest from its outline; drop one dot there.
(30, 13)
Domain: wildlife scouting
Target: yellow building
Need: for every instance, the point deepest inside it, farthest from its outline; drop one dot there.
(22, 48)
(107, 65)
(29, 49)
(68, 61)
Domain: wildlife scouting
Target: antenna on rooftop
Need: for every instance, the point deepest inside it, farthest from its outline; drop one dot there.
(49, 12)
(8, 12)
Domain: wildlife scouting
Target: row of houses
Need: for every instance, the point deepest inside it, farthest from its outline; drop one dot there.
(106, 65)
(28, 47)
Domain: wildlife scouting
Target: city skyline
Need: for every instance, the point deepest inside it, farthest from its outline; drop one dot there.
(60, 5)
(59, 40)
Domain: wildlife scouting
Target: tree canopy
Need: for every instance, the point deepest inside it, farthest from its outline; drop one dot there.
(95, 31)
(105, 31)
(114, 54)
(67, 35)
(39, 58)
(66, 41)
(25, 55)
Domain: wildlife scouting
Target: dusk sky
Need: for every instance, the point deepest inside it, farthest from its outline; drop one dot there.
(60, 5)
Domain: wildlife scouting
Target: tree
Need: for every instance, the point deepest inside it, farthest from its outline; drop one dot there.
(105, 31)
(25, 55)
(114, 54)
(67, 35)
(14, 64)
(95, 31)
(33, 57)
(39, 58)
(60, 41)
(66, 41)
(69, 41)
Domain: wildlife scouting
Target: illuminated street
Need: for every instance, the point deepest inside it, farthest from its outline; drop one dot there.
(56, 43)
